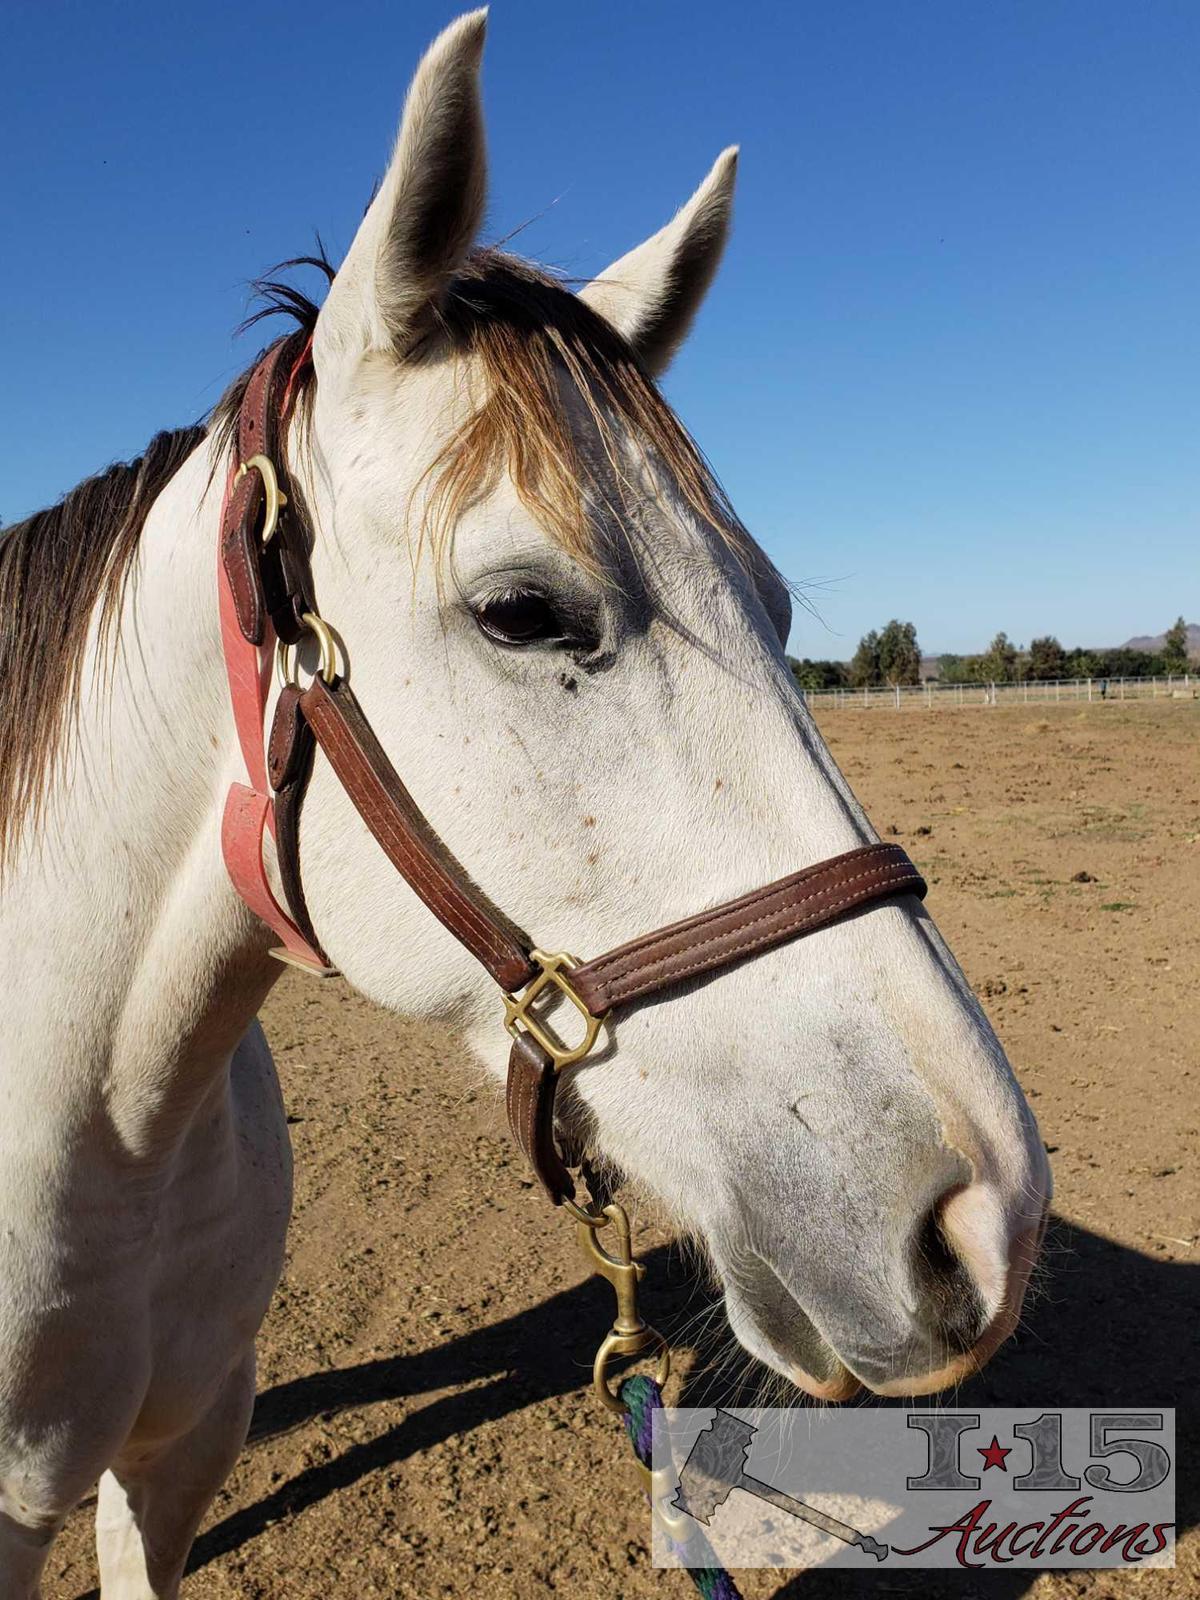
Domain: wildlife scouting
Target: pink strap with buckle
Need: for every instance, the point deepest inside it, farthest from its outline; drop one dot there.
(249, 808)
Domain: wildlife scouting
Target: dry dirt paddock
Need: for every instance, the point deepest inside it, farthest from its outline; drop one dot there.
(424, 1426)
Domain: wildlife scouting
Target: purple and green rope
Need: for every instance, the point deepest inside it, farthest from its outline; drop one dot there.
(642, 1397)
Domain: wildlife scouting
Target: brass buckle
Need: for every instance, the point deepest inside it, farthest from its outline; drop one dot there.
(275, 496)
(520, 1018)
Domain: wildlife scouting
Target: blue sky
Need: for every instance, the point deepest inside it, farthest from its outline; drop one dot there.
(949, 371)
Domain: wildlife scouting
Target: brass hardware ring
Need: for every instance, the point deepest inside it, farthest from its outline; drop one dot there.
(285, 654)
(265, 468)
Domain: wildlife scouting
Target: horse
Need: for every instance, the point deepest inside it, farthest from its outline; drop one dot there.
(575, 655)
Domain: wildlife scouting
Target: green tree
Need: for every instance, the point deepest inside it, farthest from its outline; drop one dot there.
(999, 663)
(812, 675)
(955, 669)
(1132, 664)
(864, 668)
(899, 653)
(1084, 664)
(1047, 659)
(1175, 647)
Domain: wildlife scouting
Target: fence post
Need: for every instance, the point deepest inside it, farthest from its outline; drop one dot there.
(1089, 689)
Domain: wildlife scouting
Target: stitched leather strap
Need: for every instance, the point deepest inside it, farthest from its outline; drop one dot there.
(289, 767)
(787, 909)
(264, 589)
(272, 582)
(410, 844)
(741, 928)
(529, 1101)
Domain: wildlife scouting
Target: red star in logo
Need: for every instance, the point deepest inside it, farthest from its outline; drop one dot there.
(994, 1456)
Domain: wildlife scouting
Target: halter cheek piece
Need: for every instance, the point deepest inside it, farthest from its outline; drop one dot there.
(268, 606)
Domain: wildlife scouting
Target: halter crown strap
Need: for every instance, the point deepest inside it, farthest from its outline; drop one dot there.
(255, 515)
(268, 589)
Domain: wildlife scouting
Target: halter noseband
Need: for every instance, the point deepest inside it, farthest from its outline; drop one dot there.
(267, 606)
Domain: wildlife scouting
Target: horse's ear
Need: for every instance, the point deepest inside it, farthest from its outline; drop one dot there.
(652, 294)
(426, 214)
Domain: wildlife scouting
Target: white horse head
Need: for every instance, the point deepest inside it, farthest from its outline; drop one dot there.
(586, 692)
(573, 654)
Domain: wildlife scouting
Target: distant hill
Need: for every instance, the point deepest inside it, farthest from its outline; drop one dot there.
(1155, 642)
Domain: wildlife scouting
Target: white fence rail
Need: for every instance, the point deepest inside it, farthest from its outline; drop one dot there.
(931, 696)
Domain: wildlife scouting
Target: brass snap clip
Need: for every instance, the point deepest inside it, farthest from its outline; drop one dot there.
(630, 1334)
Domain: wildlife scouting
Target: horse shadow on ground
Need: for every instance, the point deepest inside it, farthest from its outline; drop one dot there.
(1110, 1328)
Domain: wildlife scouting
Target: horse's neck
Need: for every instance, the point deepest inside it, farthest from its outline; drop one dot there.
(130, 968)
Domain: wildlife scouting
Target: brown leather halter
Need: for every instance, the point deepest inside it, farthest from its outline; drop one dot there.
(265, 544)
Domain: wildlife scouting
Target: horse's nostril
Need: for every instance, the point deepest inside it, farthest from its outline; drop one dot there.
(950, 1299)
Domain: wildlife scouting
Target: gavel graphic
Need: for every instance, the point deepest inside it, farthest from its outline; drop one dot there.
(716, 1466)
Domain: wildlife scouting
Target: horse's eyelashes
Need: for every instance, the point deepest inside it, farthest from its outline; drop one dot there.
(520, 617)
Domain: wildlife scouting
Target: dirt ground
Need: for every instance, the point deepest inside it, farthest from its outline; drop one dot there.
(424, 1425)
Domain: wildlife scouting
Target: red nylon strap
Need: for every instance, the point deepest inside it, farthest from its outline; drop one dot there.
(249, 809)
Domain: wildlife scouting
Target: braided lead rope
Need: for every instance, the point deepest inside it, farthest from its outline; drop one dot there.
(642, 1397)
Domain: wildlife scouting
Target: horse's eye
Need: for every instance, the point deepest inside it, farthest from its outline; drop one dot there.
(519, 616)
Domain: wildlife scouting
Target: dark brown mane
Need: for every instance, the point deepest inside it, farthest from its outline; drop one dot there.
(279, 299)
(520, 327)
(62, 566)
(56, 567)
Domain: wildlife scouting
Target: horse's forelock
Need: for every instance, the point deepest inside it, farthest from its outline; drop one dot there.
(526, 331)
